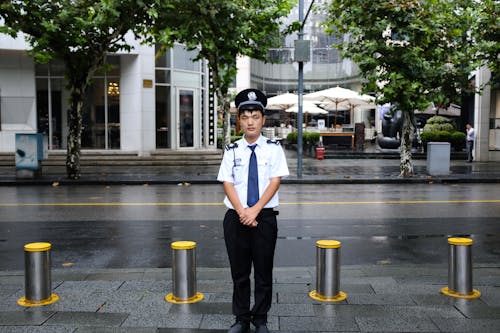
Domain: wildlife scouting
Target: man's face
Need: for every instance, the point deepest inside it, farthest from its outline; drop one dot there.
(468, 126)
(251, 122)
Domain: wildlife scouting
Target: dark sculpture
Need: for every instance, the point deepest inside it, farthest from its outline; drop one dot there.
(392, 125)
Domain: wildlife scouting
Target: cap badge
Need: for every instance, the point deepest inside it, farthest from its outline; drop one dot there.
(252, 96)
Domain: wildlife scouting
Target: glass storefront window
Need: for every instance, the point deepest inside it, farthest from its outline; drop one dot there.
(186, 111)
(183, 59)
(163, 110)
(93, 133)
(49, 119)
(162, 57)
(162, 76)
(101, 110)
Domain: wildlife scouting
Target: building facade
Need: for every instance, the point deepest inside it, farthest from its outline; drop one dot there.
(144, 102)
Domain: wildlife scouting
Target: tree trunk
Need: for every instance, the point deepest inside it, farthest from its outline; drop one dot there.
(227, 127)
(226, 111)
(406, 163)
(74, 133)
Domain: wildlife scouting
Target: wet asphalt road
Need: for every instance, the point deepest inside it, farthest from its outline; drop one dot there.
(133, 226)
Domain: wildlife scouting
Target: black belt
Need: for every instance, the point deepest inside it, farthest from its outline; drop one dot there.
(266, 211)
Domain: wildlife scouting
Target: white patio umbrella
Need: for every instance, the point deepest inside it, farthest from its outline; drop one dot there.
(308, 107)
(282, 102)
(336, 98)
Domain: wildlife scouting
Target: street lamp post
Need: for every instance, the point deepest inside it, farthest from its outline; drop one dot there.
(302, 54)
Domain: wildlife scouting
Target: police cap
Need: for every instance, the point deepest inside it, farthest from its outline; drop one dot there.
(250, 99)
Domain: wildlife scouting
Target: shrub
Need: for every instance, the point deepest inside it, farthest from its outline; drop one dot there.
(443, 136)
(439, 123)
(442, 129)
(448, 127)
(438, 120)
(311, 138)
(428, 136)
(457, 138)
(292, 137)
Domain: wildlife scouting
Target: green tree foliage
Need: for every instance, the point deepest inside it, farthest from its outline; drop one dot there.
(81, 33)
(485, 29)
(411, 53)
(222, 30)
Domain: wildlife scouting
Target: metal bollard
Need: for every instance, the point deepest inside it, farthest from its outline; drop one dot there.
(184, 274)
(328, 272)
(37, 278)
(460, 269)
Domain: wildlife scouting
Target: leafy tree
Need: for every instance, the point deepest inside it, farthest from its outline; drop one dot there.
(485, 29)
(221, 30)
(411, 53)
(81, 33)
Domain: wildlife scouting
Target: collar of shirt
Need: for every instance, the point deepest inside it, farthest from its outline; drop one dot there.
(259, 142)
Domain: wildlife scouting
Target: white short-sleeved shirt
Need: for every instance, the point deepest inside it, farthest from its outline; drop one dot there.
(271, 163)
(470, 134)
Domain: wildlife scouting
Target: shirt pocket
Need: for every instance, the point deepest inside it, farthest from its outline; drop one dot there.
(240, 172)
(264, 167)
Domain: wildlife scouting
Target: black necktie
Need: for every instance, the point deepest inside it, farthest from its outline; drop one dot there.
(253, 179)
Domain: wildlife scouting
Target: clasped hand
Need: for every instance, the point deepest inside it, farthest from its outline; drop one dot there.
(249, 216)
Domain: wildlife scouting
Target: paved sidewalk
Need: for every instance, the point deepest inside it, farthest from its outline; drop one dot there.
(331, 171)
(381, 298)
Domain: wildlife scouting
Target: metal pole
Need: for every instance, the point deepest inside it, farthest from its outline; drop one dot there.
(301, 92)
(184, 274)
(460, 269)
(328, 272)
(37, 277)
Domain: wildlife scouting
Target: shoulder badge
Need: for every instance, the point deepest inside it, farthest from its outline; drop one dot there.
(273, 141)
(230, 146)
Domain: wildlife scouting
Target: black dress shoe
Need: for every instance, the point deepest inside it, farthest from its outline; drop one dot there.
(239, 327)
(262, 328)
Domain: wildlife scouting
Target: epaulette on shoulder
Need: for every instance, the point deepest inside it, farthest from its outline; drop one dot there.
(230, 146)
(274, 141)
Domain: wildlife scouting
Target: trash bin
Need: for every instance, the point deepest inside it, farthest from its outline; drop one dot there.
(29, 155)
(438, 158)
(320, 153)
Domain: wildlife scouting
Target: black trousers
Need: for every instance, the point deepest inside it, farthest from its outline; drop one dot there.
(246, 246)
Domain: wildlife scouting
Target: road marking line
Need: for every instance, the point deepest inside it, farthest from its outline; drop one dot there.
(286, 203)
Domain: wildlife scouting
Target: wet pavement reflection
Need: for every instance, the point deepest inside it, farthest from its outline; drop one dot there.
(133, 226)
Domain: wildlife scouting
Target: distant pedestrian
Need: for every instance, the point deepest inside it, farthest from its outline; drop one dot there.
(251, 172)
(469, 143)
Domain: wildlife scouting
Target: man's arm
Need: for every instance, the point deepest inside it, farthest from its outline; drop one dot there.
(233, 197)
(249, 215)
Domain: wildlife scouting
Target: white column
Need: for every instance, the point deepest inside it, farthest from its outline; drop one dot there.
(137, 101)
(482, 117)
(130, 103)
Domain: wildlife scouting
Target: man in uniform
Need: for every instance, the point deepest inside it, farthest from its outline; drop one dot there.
(251, 172)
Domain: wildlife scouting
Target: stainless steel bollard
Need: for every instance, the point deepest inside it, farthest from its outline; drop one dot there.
(460, 269)
(37, 276)
(184, 274)
(328, 272)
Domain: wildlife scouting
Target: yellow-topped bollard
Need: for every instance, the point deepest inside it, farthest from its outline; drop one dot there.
(184, 274)
(37, 276)
(328, 272)
(460, 269)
